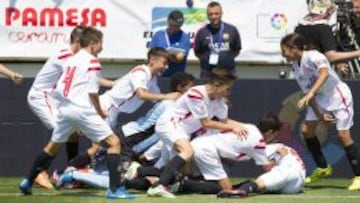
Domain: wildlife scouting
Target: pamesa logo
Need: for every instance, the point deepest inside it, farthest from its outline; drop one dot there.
(191, 15)
(279, 21)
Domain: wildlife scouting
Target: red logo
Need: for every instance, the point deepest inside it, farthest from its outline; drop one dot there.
(55, 17)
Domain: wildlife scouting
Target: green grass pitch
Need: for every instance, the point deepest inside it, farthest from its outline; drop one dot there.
(325, 191)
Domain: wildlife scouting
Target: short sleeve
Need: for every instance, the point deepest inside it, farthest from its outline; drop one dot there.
(258, 153)
(139, 78)
(196, 103)
(94, 73)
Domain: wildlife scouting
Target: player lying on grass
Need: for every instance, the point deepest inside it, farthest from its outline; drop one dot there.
(286, 177)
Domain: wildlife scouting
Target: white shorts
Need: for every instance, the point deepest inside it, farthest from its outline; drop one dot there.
(44, 107)
(340, 104)
(344, 117)
(71, 118)
(287, 179)
(154, 151)
(112, 110)
(169, 133)
(208, 160)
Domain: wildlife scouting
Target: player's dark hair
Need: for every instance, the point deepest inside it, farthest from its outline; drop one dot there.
(221, 76)
(296, 40)
(176, 17)
(157, 52)
(213, 4)
(180, 79)
(90, 34)
(76, 33)
(269, 121)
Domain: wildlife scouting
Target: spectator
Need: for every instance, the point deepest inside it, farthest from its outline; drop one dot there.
(216, 44)
(316, 28)
(355, 19)
(175, 41)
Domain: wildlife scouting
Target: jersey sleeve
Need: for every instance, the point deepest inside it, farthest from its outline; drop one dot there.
(94, 73)
(139, 78)
(195, 101)
(258, 153)
(319, 60)
(59, 60)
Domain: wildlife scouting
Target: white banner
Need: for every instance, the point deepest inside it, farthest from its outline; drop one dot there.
(38, 28)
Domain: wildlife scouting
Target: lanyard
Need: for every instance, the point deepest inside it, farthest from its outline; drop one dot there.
(167, 39)
(220, 37)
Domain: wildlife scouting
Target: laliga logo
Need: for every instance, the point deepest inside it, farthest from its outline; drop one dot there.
(279, 21)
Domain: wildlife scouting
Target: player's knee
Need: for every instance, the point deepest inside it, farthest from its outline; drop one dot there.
(113, 143)
(93, 149)
(345, 137)
(306, 130)
(185, 149)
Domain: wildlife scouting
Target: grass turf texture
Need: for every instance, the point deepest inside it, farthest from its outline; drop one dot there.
(329, 190)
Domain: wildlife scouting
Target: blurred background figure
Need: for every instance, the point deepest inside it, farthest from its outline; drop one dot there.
(175, 41)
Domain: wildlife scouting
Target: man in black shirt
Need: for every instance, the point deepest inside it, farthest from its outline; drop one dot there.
(216, 44)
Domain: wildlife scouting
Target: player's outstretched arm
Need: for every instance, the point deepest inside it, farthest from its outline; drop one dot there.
(14, 76)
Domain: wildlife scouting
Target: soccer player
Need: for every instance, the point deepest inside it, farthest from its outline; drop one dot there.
(79, 109)
(139, 135)
(41, 96)
(211, 148)
(194, 110)
(17, 78)
(137, 86)
(326, 99)
(136, 137)
(286, 177)
(128, 94)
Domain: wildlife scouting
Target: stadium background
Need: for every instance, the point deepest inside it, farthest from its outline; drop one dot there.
(259, 88)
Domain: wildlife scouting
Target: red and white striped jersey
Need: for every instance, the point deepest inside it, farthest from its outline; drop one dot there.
(192, 106)
(123, 94)
(79, 78)
(50, 73)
